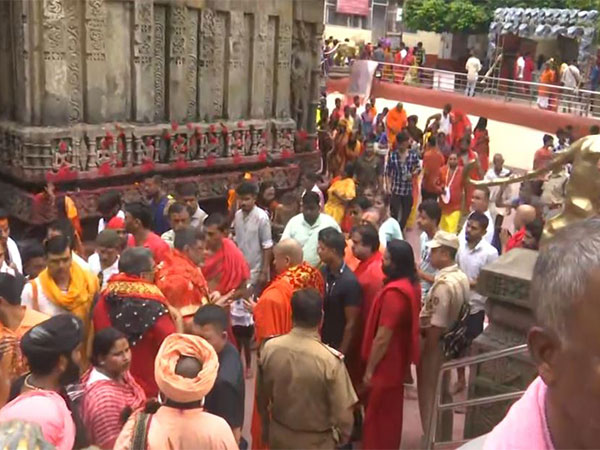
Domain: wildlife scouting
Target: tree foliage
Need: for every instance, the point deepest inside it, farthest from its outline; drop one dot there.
(473, 16)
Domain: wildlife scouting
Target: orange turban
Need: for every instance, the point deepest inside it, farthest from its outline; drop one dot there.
(181, 389)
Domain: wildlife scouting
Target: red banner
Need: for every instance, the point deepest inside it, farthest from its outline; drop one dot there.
(356, 7)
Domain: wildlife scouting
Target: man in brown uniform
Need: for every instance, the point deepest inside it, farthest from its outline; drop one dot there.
(441, 310)
(305, 396)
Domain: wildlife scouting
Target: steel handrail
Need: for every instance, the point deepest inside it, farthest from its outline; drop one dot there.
(576, 101)
(438, 405)
(482, 77)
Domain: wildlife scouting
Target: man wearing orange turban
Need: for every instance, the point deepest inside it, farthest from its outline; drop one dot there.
(185, 370)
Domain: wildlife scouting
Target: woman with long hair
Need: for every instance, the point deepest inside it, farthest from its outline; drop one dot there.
(110, 392)
(390, 344)
(266, 198)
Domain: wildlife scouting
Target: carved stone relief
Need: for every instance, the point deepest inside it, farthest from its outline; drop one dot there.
(159, 62)
(300, 75)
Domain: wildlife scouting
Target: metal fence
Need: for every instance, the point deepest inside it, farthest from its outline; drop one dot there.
(439, 406)
(579, 102)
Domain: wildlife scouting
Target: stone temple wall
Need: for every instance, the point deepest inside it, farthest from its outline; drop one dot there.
(101, 93)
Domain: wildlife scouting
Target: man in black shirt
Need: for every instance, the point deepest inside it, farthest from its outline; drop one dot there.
(226, 399)
(342, 293)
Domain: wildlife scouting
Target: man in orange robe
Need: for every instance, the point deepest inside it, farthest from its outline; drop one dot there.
(396, 120)
(273, 311)
(179, 276)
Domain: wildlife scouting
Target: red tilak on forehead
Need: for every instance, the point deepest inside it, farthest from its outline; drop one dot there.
(3, 223)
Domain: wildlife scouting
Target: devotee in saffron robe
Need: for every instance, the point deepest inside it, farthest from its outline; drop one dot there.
(396, 120)
(273, 311)
(179, 276)
(390, 344)
(224, 267)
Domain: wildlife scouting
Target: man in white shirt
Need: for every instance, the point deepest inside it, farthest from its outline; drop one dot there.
(179, 218)
(304, 228)
(520, 68)
(109, 206)
(187, 193)
(473, 255)
(253, 235)
(12, 256)
(309, 183)
(497, 171)
(104, 263)
(473, 66)
(479, 203)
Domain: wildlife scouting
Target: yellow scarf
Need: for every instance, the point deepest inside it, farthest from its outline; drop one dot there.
(78, 299)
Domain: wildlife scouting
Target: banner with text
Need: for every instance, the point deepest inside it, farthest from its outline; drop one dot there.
(356, 7)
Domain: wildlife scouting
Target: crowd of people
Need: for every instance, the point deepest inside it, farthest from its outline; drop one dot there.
(148, 341)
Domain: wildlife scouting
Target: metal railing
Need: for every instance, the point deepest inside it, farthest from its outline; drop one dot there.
(581, 102)
(439, 407)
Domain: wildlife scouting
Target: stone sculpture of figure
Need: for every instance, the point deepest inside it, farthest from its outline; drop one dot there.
(581, 191)
(300, 77)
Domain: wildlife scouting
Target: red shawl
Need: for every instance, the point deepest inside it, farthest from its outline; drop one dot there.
(370, 277)
(460, 126)
(226, 269)
(481, 146)
(408, 292)
(182, 283)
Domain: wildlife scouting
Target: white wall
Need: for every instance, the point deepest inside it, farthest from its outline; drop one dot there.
(354, 34)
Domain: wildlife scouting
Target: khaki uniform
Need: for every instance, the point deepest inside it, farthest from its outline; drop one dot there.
(441, 309)
(305, 396)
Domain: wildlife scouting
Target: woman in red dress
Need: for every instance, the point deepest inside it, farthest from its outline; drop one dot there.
(481, 144)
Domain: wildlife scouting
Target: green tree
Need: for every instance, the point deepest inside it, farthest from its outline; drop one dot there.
(463, 16)
(426, 15)
(473, 16)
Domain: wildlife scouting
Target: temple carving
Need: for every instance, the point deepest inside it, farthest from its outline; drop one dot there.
(98, 94)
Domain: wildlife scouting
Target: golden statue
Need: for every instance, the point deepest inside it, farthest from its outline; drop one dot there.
(582, 191)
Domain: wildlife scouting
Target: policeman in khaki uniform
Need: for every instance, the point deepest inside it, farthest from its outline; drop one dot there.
(441, 310)
(304, 393)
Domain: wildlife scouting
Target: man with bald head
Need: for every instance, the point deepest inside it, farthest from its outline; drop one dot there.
(524, 215)
(273, 311)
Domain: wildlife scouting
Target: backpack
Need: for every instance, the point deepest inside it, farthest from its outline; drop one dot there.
(455, 341)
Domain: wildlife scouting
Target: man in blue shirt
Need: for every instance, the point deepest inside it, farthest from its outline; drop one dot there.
(402, 164)
(158, 203)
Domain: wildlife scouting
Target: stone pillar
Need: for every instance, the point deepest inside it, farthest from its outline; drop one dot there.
(55, 109)
(95, 59)
(74, 39)
(506, 284)
(211, 64)
(191, 79)
(236, 87)
(6, 78)
(20, 17)
(177, 62)
(158, 75)
(260, 83)
(143, 68)
(315, 74)
(284, 55)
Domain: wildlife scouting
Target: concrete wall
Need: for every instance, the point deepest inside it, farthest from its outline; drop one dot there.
(432, 42)
(354, 34)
